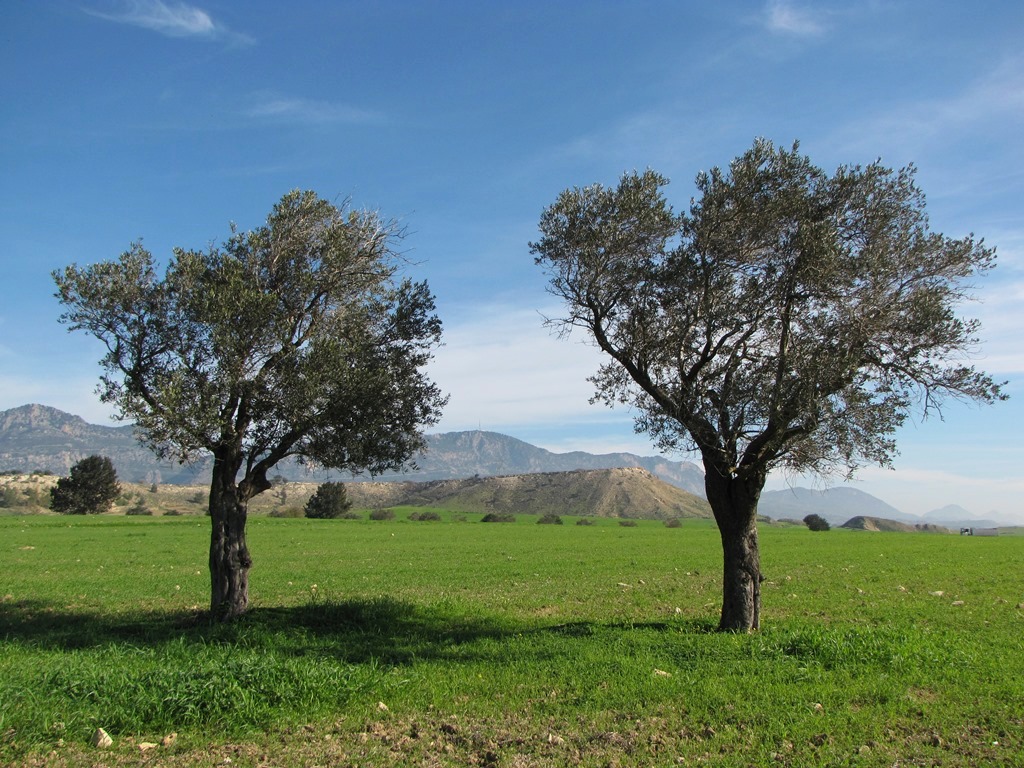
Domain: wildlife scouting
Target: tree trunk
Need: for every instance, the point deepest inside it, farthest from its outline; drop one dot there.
(229, 555)
(734, 503)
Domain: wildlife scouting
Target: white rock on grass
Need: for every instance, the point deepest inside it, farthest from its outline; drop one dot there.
(101, 739)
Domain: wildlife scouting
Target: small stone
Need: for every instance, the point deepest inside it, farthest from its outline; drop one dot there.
(817, 707)
(662, 673)
(101, 739)
(555, 739)
(169, 739)
(382, 706)
(864, 750)
(958, 602)
(937, 593)
(145, 746)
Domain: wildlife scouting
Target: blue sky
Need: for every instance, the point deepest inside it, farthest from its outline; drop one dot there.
(161, 120)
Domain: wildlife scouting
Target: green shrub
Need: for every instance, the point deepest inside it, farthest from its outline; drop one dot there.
(173, 513)
(549, 519)
(627, 523)
(138, 508)
(284, 512)
(817, 523)
(498, 517)
(382, 514)
(329, 501)
(428, 516)
(674, 522)
(584, 521)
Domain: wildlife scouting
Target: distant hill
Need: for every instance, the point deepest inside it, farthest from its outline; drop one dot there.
(40, 437)
(862, 523)
(455, 455)
(837, 505)
(622, 492)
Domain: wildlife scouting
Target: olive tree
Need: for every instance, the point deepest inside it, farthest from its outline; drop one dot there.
(790, 319)
(89, 489)
(295, 339)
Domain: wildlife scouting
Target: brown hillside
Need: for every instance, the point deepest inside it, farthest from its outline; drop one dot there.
(862, 523)
(624, 492)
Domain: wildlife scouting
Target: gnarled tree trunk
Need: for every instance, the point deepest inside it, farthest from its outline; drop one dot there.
(229, 555)
(734, 504)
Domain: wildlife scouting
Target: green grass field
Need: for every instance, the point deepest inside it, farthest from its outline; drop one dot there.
(462, 643)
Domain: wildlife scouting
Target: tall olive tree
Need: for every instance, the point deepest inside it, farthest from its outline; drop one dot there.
(292, 340)
(790, 319)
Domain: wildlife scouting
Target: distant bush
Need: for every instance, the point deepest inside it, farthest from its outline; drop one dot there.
(138, 508)
(329, 501)
(174, 513)
(817, 523)
(627, 523)
(9, 497)
(584, 521)
(284, 512)
(382, 514)
(458, 518)
(674, 522)
(197, 498)
(549, 519)
(428, 516)
(90, 488)
(498, 517)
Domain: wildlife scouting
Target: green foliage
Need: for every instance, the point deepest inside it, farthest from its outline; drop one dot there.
(585, 521)
(9, 497)
(817, 523)
(425, 516)
(722, 325)
(330, 500)
(549, 519)
(498, 517)
(382, 514)
(298, 326)
(138, 508)
(90, 488)
(628, 523)
(674, 522)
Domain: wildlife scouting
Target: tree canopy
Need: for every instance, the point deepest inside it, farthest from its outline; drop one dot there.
(90, 488)
(328, 501)
(790, 318)
(295, 339)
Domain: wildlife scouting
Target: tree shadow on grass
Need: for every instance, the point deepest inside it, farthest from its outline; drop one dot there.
(381, 630)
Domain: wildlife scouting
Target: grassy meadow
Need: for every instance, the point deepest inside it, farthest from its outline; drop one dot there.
(459, 643)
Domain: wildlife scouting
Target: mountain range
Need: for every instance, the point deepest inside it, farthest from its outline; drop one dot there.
(38, 437)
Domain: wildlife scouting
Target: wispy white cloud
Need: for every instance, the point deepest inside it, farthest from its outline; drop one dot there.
(170, 19)
(504, 369)
(786, 17)
(993, 104)
(292, 109)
